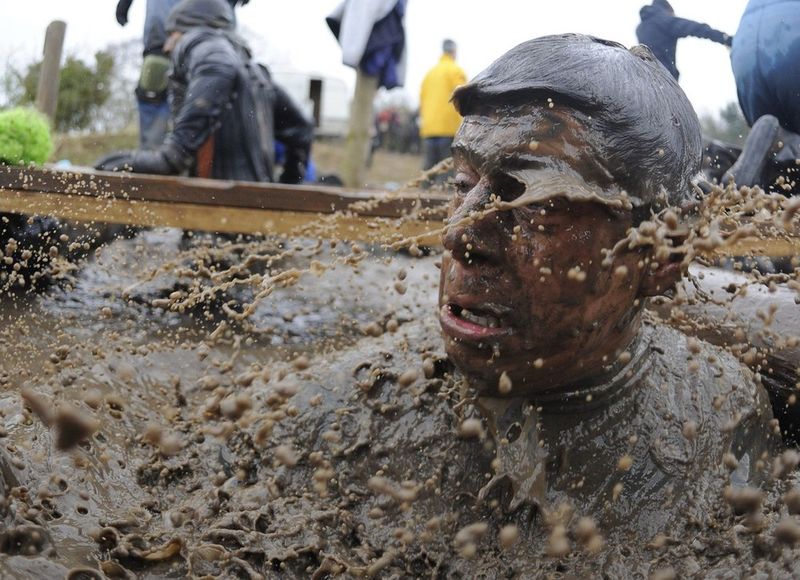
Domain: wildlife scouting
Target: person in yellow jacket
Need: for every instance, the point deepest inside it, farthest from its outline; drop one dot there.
(439, 119)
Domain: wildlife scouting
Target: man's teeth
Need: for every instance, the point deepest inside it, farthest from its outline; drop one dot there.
(489, 321)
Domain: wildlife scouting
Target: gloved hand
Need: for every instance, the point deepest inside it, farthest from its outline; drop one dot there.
(291, 177)
(294, 171)
(137, 161)
(728, 41)
(122, 11)
(294, 166)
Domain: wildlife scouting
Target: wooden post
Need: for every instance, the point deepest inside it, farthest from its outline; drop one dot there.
(358, 136)
(49, 74)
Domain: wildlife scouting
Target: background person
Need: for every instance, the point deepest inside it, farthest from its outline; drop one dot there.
(151, 90)
(660, 30)
(766, 61)
(227, 113)
(439, 119)
(765, 58)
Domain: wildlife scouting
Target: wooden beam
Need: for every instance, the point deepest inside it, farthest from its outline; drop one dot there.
(191, 216)
(214, 192)
(223, 206)
(269, 208)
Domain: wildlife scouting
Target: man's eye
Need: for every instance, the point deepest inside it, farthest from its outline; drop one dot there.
(462, 184)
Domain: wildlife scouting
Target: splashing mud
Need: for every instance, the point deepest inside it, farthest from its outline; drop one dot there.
(248, 406)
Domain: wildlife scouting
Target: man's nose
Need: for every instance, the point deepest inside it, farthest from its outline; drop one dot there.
(473, 231)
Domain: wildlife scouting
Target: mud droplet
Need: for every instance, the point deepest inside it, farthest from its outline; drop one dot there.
(504, 384)
(787, 532)
(466, 539)
(792, 500)
(729, 461)
(72, 427)
(301, 363)
(285, 455)
(471, 429)
(408, 378)
(428, 368)
(558, 544)
(745, 500)
(508, 536)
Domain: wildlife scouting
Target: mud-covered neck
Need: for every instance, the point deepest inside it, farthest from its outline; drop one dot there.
(587, 395)
(617, 379)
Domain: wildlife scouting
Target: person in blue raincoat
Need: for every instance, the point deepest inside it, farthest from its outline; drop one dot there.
(766, 65)
(766, 61)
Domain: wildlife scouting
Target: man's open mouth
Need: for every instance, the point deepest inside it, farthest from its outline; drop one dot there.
(471, 323)
(478, 317)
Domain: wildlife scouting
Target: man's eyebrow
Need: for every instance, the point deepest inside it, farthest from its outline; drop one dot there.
(521, 161)
(502, 162)
(472, 157)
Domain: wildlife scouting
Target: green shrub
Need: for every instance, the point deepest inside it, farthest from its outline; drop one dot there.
(24, 137)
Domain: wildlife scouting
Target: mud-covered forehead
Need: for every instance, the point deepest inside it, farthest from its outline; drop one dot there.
(651, 141)
(551, 151)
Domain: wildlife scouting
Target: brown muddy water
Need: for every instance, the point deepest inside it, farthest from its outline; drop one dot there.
(211, 407)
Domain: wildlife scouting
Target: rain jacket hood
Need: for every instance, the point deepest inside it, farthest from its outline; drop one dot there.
(189, 14)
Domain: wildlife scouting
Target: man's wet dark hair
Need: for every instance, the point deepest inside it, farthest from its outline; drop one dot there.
(649, 133)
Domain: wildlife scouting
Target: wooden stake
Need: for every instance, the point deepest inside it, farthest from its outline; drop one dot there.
(50, 73)
(358, 136)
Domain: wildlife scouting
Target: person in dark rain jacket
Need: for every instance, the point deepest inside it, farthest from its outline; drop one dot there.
(227, 113)
(660, 30)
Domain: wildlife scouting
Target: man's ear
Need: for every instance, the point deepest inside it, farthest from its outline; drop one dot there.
(657, 281)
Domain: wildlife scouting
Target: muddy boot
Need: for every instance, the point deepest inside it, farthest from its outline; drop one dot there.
(755, 155)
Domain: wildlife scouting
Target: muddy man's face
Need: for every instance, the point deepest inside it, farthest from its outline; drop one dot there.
(523, 289)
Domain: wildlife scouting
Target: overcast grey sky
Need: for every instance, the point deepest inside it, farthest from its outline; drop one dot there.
(295, 34)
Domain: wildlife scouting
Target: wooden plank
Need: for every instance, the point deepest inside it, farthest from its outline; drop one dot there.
(274, 196)
(243, 207)
(340, 226)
